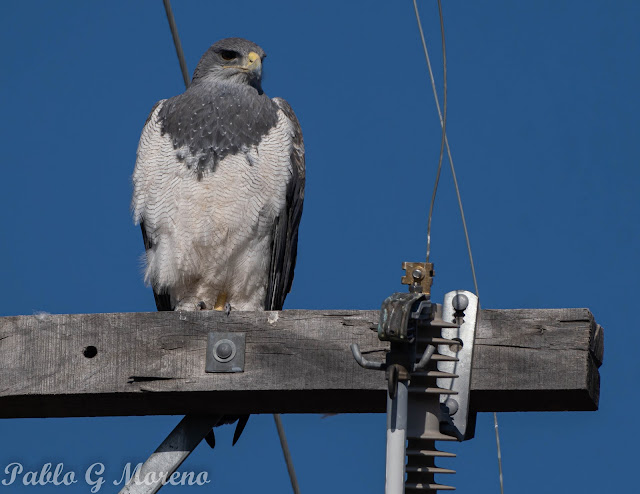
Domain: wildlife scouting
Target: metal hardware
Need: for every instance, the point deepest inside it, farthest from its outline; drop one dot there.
(428, 372)
(400, 316)
(419, 276)
(397, 320)
(363, 362)
(462, 307)
(426, 356)
(225, 352)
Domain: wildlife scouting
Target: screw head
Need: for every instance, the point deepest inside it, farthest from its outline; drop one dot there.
(457, 346)
(224, 350)
(460, 302)
(417, 274)
(452, 405)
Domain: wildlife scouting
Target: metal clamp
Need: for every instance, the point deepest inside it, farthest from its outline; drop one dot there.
(398, 316)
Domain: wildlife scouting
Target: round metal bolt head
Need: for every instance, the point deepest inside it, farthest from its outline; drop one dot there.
(457, 346)
(417, 274)
(224, 350)
(460, 302)
(452, 405)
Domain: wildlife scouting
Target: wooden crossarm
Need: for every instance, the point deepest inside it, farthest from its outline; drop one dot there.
(296, 361)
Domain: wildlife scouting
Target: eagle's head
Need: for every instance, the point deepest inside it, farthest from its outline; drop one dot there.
(234, 60)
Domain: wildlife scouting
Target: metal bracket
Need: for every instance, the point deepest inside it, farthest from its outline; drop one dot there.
(225, 352)
(396, 317)
(419, 276)
(460, 307)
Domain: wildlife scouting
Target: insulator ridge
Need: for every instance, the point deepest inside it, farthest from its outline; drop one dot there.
(426, 415)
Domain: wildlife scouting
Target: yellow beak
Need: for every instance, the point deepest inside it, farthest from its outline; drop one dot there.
(254, 62)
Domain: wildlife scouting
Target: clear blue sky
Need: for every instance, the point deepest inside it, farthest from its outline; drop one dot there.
(544, 128)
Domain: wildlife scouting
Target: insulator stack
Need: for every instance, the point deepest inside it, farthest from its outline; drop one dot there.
(425, 414)
(428, 374)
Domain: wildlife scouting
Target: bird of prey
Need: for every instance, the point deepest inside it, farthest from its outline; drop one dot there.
(218, 188)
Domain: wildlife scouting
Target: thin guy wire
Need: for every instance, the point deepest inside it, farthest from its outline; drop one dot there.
(495, 426)
(185, 75)
(176, 41)
(287, 453)
(446, 140)
(455, 181)
(443, 118)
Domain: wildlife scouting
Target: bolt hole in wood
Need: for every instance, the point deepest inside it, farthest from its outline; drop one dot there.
(90, 351)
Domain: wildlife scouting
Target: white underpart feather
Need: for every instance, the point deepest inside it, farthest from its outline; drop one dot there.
(212, 235)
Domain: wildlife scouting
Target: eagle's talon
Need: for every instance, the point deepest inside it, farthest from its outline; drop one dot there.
(227, 308)
(201, 305)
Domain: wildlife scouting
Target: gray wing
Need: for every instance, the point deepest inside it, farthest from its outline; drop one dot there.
(285, 231)
(163, 300)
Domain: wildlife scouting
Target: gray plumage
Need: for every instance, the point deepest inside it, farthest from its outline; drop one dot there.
(214, 119)
(219, 187)
(285, 234)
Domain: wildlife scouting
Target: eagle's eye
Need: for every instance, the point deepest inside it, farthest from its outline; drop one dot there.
(228, 55)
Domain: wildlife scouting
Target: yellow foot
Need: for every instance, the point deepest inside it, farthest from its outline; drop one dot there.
(220, 301)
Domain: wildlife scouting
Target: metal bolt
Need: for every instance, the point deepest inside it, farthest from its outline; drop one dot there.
(460, 302)
(417, 274)
(456, 347)
(224, 350)
(452, 405)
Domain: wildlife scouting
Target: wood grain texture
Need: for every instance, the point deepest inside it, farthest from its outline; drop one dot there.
(296, 361)
(547, 358)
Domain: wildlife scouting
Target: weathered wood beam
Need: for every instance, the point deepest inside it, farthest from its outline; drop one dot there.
(296, 361)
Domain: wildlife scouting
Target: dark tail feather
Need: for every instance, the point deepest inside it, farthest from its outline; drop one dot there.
(211, 439)
(242, 422)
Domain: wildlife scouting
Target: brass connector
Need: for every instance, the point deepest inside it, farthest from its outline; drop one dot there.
(419, 276)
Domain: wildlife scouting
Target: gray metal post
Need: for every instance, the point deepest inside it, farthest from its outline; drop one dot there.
(396, 439)
(170, 454)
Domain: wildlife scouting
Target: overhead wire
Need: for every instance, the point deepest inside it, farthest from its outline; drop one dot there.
(287, 453)
(176, 41)
(185, 75)
(443, 116)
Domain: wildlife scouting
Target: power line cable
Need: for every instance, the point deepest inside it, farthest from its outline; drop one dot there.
(276, 416)
(176, 41)
(443, 118)
(287, 453)
(455, 181)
